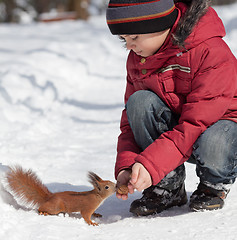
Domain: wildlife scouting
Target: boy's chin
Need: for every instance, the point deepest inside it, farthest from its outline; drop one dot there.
(142, 54)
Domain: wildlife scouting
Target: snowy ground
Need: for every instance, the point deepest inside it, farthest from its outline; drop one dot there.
(61, 96)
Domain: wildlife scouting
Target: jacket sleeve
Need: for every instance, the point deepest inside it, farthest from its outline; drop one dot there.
(213, 88)
(127, 149)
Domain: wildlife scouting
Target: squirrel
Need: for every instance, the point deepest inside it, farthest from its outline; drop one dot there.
(29, 188)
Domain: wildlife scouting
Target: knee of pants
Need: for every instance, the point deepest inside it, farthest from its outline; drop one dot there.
(142, 103)
(138, 103)
(216, 149)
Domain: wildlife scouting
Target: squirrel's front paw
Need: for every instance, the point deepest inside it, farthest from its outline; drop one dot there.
(93, 223)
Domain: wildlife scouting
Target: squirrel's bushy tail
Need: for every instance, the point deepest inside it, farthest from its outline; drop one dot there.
(26, 186)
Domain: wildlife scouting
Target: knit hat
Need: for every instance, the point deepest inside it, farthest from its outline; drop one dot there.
(140, 16)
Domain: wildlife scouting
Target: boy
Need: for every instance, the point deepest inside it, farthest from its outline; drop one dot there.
(181, 104)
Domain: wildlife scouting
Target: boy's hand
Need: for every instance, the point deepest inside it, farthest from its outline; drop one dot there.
(139, 178)
(123, 179)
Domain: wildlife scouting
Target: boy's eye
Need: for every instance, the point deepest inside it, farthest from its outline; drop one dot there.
(134, 37)
(122, 39)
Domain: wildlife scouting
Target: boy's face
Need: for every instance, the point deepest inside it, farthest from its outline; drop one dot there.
(145, 45)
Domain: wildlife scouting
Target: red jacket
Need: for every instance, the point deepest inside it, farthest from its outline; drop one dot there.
(199, 84)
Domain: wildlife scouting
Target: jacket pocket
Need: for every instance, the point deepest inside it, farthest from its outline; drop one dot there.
(176, 85)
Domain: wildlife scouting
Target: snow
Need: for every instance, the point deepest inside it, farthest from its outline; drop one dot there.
(61, 97)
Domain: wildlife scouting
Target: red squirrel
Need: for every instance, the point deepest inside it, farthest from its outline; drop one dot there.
(28, 187)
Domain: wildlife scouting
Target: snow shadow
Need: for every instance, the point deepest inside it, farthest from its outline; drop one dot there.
(5, 196)
(61, 187)
(79, 120)
(114, 210)
(90, 106)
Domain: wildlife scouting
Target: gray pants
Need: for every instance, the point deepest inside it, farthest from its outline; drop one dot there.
(214, 152)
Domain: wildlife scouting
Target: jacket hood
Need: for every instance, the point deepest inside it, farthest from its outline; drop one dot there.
(197, 23)
(187, 33)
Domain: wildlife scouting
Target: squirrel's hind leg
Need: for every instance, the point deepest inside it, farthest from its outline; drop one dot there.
(52, 207)
(43, 213)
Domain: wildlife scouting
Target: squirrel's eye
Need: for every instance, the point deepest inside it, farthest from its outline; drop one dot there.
(106, 187)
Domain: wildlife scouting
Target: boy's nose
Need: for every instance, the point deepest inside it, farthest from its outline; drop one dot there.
(130, 46)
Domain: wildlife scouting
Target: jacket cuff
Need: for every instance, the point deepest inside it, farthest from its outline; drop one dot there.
(122, 164)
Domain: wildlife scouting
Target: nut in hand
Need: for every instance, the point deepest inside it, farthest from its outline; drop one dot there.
(122, 189)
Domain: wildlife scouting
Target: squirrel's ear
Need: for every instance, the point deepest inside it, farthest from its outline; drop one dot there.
(94, 179)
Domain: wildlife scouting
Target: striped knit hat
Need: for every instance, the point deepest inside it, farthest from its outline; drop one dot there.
(140, 16)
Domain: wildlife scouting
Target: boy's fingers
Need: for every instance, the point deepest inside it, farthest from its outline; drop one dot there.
(130, 188)
(119, 196)
(125, 196)
(142, 186)
(139, 185)
(135, 173)
(122, 196)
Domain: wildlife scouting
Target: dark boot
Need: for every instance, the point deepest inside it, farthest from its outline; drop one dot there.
(156, 199)
(207, 198)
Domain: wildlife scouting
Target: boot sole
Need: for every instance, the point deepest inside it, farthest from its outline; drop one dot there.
(205, 208)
